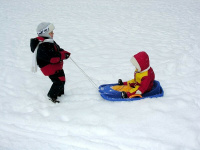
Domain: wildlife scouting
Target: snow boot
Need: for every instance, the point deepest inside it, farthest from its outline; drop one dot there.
(54, 100)
(124, 95)
(120, 82)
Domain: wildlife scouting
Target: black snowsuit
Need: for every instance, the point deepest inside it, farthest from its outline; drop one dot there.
(50, 59)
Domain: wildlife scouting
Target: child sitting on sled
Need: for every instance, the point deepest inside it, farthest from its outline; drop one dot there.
(143, 77)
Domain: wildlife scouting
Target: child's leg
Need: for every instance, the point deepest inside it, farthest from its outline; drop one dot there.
(57, 87)
(62, 79)
(132, 91)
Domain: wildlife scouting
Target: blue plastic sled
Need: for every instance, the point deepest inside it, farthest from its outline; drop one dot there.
(108, 93)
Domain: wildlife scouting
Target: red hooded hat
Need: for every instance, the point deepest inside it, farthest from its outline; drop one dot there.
(141, 61)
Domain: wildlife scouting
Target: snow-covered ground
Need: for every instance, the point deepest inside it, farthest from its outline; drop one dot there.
(102, 36)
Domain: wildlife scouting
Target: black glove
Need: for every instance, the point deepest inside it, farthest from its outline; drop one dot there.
(67, 55)
(120, 82)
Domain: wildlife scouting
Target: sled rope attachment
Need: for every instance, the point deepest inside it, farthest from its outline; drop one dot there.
(91, 81)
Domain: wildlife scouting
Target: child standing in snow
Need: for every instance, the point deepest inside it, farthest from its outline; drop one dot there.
(49, 57)
(143, 76)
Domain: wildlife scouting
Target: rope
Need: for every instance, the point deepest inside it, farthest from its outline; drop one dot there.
(91, 81)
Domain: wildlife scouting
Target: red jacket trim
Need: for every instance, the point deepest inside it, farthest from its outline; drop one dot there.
(62, 78)
(51, 68)
(55, 60)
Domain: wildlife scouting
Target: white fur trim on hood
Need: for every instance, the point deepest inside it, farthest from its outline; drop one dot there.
(135, 63)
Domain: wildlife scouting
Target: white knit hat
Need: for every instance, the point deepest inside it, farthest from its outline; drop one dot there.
(44, 28)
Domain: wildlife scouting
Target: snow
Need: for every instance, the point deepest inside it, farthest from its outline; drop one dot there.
(102, 37)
